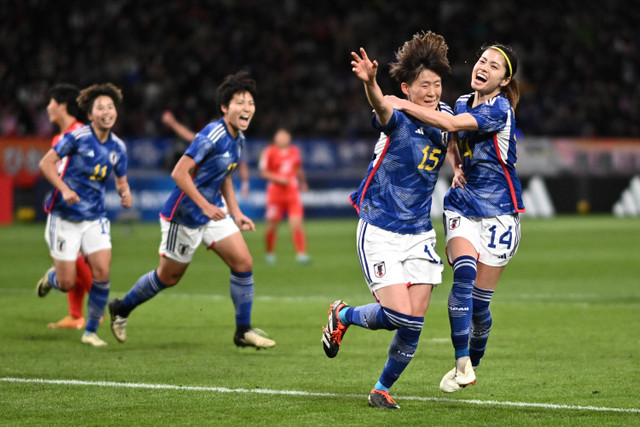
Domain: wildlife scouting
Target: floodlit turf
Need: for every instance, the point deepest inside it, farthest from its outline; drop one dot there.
(564, 349)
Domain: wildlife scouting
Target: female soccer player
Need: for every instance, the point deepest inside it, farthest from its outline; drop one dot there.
(77, 216)
(395, 237)
(196, 213)
(482, 207)
(64, 113)
(281, 166)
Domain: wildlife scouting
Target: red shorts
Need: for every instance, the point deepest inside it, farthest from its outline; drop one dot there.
(279, 203)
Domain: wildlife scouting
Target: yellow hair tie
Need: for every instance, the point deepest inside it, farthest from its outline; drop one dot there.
(505, 57)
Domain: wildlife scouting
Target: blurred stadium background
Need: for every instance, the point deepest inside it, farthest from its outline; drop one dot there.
(578, 119)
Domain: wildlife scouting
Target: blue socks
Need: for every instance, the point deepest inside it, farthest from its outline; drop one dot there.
(241, 289)
(53, 280)
(461, 304)
(145, 288)
(98, 297)
(401, 350)
(405, 341)
(480, 324)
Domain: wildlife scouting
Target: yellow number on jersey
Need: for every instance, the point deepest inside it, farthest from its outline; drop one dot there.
(98, 173)
(433, 157)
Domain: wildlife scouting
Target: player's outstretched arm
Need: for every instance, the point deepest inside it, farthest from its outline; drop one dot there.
(366, 70)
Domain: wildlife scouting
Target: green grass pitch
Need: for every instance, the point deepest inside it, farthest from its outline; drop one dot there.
(564, 349)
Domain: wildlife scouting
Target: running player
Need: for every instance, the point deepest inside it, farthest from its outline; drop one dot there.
(186, 134)
(482, 207)
(395, 237)
(281, 166)
(63, 112)
(195, 213)
(77, 216)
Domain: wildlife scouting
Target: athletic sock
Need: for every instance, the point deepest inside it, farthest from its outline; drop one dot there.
(481, 322)
(461, 304)
(75, 296)
(241, 289)
(53, 280)
(144, 289)
(300, 241)
(372, 316)
(270, 241)
(401, 350)
(98, 297)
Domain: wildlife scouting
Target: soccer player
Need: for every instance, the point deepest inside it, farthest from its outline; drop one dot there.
(395, 237)
(63, 112)
(281, 166)
(482, 207)
(195, 213)
(77, 216)
(188, 135)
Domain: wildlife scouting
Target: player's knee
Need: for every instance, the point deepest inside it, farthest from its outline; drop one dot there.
(396, 320)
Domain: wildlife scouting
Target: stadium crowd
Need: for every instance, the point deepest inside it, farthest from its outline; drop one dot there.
(579, 60)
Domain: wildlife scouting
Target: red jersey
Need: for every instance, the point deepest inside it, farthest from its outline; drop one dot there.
(284, 163)
(63, 162)
(75, 125)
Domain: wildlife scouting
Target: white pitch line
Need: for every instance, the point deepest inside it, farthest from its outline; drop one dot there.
(306, 393)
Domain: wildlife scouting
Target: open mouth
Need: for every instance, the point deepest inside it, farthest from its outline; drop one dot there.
(480, 77)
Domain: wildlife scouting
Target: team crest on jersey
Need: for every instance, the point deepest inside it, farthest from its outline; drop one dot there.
(61, 244)
(182, 248)
(113, 156)
(454, 223)
(379, 269)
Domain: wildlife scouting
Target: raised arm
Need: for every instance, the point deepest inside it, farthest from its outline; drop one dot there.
(366, 71)
(178, 128)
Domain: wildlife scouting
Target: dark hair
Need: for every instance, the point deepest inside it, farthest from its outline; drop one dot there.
(65, 93)
(424, 51)
(88, 95)
(512, 90)
(239, 82)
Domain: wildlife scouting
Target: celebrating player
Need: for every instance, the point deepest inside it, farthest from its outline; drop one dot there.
(281, 165)
(395, 237)
(63, 112)
(196, 213)
(482, 207)
(188, 135)
(77, 216)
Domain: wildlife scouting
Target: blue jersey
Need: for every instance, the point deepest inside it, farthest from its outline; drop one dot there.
(90, 162)
(216, 154)
(488, 161)
(396, 193)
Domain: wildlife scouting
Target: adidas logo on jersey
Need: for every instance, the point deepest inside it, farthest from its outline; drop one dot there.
(419, 131)
(226, 154)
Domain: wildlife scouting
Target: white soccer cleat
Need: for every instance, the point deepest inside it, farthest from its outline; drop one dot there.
(93, 339)
(254, 338)
(465, 375)
(448, 383)
(459, 377)
(118, 323)
(43, 286)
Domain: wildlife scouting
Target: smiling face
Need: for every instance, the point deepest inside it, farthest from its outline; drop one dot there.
(103, 114)
(239, 112)
(426, 90)
(489, 73)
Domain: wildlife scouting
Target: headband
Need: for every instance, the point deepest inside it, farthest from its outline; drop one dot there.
(505, 57)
